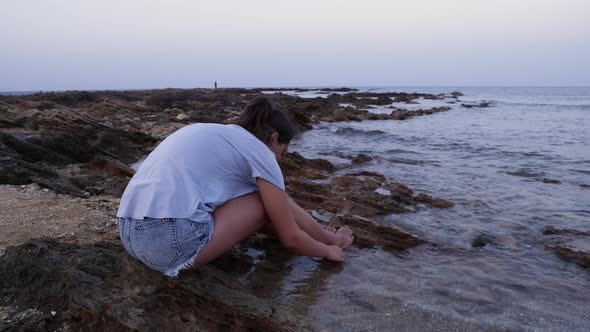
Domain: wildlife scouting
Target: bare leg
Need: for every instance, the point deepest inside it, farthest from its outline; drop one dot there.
(243, 216)
(234, 221)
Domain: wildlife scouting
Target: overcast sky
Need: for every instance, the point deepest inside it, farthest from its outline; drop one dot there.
(119, 44)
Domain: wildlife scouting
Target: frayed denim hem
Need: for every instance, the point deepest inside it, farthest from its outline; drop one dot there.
(173, 272)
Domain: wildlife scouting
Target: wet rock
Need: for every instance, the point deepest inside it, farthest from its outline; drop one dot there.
(502, 241)
(381, 101)
(355, 194)
(585, 185)
(547, 180)
(456, 94)
(480, 241)
(361, 158)
(434, 202)
(406, 114)
(369, 233)
(342, 89)
(360, 193)
(99, 287)
(482, 104)
(579, 257)
(551, 230)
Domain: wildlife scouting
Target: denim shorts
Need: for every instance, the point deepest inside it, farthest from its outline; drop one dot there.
(167, 245)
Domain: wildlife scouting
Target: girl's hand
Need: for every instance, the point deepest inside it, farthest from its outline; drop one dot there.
(335, 254)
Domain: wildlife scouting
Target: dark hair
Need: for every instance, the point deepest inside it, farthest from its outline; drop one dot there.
(261, 119)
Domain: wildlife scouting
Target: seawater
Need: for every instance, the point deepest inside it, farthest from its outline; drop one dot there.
(490, 162)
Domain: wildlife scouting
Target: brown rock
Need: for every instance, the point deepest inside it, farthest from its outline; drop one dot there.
(434, 202)
(99, 287)
(294, 164)
(182, 117)
(480, 241)
(550, 230)
(361, 158)
(579, 257)
(477, 105)
(112, 167)
(369, 233)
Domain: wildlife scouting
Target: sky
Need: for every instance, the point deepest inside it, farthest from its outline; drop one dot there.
(139, 44)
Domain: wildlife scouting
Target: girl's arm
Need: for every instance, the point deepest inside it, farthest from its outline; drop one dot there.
(277, 207)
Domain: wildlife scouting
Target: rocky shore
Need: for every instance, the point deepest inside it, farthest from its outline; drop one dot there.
(64, 162)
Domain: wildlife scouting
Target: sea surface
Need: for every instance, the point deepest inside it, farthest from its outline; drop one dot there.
(490, 162)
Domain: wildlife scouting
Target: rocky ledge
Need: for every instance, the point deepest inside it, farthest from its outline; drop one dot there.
(571, 245)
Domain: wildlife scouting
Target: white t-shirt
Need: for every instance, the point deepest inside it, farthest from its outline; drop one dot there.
(197, 169)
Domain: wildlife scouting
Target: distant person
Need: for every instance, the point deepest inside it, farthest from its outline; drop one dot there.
(215, 84)
(208, 186)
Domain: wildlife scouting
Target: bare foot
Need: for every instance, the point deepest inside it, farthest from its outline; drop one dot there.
(343, 234)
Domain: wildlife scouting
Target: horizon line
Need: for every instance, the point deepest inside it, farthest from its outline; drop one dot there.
(294, 87)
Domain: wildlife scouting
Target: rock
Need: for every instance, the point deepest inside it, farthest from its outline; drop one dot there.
(369, 233)
(382, 191)
(456, 94)
(547, 180)
(182, 117)
(294, 164)
(111, 167)
(585, 185)
(112, 222)
(551, 230)
(99, 287)
(35, 187)
(64, 137)
(579, 257)
(309, 195)
(30, 319)
(354, 193)
(381, 101)
(480, 241)
(503, 241)
(361, 158)
(482, 104)
(434, 202)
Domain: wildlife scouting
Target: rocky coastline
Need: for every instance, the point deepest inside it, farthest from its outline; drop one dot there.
(76, 147)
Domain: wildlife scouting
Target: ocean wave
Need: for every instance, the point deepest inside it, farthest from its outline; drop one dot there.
(394, 151)
(571, 106)
(582, 171)
(408, 161)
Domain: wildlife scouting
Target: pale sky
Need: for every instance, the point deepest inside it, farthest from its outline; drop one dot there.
(136, 44)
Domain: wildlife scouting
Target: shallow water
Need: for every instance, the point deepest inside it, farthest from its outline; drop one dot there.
(490, 162)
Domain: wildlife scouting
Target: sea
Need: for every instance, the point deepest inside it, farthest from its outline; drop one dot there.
(491, 162)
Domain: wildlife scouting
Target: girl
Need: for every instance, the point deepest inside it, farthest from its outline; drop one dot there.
(208, 186)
